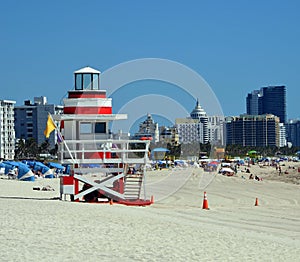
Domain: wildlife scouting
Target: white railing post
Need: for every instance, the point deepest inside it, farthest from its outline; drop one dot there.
(82, 152)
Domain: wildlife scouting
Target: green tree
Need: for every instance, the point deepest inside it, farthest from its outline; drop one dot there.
(44, 147)
(32, 148)
(20, 149)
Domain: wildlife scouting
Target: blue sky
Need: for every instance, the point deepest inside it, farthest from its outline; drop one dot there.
(236, 46)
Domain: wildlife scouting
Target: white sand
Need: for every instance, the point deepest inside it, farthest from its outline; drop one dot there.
(35, 228)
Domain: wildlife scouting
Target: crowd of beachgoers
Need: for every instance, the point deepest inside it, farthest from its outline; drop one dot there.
(276, 168)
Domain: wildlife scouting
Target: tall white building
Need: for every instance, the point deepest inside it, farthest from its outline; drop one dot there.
(7, 130)
(194, 128)
(216, 129)
(189, 130)
(282, 135)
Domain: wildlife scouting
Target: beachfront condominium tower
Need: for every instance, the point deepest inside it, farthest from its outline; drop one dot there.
(31, 119)
(268, 100)
(7, 131)
(254, 103)
(253, 130)
(293, 132)
(215, 129)
(274, 101)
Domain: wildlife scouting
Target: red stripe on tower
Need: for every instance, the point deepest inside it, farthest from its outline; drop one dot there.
(86, 94)
(88, 110)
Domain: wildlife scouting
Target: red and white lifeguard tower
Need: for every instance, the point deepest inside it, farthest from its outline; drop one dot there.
(102, 168)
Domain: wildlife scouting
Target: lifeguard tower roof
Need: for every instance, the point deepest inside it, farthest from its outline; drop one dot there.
(87, 70)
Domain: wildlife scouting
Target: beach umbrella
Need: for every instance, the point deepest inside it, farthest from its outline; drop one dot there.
(59, 168)
(160, 149)
(226, 169)
(252, 152)
(45, 170)
(9, 165)
(213, 163)
(241, 161)
(24, 172)
(29, 163)
(159, 153)
(226, 164)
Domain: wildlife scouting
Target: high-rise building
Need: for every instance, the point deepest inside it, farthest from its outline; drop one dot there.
(148, 128)
(254, 103)
(268, 100)
(253, 130)
(7, 131)
(293, 132)
(189, 130)
(31, 119)
(215, 129)
(199, 114)
(282, 135)
(169, 135)
(194, 128)
(274, 101)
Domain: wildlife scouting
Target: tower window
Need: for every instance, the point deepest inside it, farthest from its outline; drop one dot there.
(87, 81)
(78, 82)
(100, 128)
(85, 128)
(95, 82)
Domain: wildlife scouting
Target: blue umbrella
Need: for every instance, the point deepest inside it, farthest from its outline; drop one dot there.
(59, 168)
(24, 172)
(45, 170)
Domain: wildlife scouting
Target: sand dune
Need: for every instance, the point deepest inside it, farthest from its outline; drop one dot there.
(37, 226)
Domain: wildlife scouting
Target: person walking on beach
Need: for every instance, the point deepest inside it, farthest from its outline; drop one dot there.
(279, 168)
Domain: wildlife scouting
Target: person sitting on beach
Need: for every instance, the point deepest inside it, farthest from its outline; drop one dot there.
(11, 174)
(257, 178)
(251, 176)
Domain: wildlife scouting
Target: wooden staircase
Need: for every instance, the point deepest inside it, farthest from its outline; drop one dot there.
(133, 186)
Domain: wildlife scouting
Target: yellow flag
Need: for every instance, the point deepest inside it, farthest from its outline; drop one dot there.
(49, 127)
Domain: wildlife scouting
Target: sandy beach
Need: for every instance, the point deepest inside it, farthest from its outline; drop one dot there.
(36, 226)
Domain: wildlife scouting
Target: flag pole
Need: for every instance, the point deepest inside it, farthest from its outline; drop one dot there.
(65, 144)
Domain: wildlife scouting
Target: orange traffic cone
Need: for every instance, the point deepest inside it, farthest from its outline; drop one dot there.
(256, 202)
(205, 202)
(111, 202)
(152, 199)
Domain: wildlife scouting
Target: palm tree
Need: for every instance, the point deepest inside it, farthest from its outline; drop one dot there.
(31, 148)
(20, 148)
(44, 147)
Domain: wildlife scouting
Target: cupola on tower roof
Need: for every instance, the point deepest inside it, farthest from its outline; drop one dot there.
(87, 78)
(198, 111)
